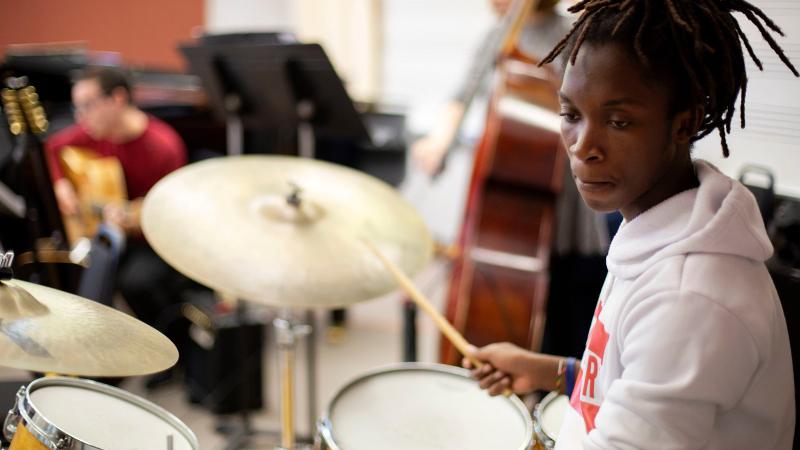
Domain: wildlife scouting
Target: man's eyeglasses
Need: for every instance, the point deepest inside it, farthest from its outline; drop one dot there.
(84, 107)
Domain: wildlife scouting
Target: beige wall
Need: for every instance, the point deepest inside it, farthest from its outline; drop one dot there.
(351, 31)
(145, 32)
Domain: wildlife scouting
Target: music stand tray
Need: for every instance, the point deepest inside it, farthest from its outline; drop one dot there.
(276, 86)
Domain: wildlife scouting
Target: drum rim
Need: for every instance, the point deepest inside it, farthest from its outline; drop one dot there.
(48, 433)
(325, 427)
(548, 441)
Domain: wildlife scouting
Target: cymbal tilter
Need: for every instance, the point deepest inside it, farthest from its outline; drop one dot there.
(294, 197)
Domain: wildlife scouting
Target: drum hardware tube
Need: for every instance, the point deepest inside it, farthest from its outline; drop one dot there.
(286, 334)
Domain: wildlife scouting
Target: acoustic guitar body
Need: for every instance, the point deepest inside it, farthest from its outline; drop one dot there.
(98, 181)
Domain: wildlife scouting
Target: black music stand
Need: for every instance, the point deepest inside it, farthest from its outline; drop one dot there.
(283, 87)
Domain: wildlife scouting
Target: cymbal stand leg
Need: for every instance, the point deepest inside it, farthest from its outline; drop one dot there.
(286, 333)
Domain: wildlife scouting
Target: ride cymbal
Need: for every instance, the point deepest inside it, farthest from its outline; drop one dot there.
(284, 231)
(47, 330)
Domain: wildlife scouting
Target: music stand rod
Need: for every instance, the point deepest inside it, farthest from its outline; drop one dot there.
(234, 130)
(305, 131)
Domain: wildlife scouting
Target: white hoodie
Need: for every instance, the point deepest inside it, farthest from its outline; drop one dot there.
(688, 347)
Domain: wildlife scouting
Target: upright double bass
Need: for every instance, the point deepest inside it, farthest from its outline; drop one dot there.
(499, 283)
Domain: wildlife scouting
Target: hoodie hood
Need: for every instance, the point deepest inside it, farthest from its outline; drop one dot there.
(720, 216)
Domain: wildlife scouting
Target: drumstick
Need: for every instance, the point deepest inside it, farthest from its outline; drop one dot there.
(444, 326)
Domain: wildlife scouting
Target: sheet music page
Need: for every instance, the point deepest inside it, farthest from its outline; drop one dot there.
(771, 137)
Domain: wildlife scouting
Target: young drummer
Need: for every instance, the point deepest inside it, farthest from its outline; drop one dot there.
(688, 347)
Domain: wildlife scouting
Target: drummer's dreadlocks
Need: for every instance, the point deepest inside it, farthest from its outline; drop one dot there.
(692, 45)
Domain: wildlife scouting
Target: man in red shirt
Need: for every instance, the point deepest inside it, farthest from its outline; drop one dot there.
(109, 124)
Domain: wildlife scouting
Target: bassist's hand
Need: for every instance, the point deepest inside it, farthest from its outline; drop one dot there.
(428, 153)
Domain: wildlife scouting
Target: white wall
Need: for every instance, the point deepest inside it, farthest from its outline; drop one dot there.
(428, 45)
(225, 16)
(771, 136)
(352, 34)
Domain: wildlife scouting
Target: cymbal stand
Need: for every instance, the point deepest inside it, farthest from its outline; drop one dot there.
(286, 333)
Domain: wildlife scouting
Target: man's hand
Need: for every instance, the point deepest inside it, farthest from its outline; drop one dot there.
(114, 214)
(66, 197)
(125, 216)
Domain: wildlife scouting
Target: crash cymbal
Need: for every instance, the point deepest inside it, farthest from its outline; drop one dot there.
(283, 230)
(47, 330)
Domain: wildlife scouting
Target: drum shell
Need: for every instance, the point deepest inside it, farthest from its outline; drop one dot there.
(543, 440)
(24, 440)
(24, 414)
(324, 439)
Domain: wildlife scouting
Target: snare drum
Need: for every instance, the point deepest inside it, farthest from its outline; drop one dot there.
(416, 406)
(76, 414)
(547, 419)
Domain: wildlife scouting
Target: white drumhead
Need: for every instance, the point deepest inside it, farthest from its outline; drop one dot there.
(553, 416)
(425, 409)
(104, 421)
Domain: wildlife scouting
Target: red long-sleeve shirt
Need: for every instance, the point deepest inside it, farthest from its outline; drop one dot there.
(144, 160)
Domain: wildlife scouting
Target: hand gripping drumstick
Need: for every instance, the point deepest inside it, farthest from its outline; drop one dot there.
(441, 322)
